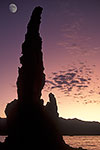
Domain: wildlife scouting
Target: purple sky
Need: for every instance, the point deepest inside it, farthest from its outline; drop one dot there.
(70, 31)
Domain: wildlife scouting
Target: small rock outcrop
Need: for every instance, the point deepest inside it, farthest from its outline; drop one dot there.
(52, 109)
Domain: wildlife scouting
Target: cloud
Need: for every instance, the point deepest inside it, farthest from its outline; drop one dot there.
(82, 86)
(77, 78)
(74, 41)
(51, 82)
(82, 80)
(74, 82)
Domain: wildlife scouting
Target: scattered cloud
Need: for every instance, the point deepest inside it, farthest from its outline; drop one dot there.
(70, 78)
(76, 41)
(74, 81)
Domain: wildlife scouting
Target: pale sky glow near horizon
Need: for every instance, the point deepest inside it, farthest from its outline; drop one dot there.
(70, 31)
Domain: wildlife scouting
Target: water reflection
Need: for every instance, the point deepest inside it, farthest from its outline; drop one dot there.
(88, 142)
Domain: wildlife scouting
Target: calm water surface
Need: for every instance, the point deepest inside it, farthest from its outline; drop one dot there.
(88, 142)
(2, 138)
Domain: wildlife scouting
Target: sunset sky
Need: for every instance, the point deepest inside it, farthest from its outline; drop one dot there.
(70, 31)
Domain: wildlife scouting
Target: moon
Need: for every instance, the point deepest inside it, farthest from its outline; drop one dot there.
(13, 8)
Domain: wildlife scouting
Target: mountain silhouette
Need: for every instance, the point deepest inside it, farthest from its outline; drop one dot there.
(65, 126)
(29, 124)
(78, 127)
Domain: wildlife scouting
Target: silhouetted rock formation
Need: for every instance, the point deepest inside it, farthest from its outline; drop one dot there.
(30, 82)
(52, 108)
(3, 126)
(29, 126)
(31, 77)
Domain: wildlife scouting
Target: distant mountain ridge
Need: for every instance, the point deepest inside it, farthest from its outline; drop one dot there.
(78, 127)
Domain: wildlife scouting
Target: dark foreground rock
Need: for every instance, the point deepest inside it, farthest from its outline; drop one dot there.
(29, 125)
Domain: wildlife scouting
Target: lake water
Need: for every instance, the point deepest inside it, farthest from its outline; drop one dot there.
(87, 142)
(2, 138)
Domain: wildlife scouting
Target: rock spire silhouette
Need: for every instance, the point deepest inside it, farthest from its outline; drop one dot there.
(31, 77)
(29, 125)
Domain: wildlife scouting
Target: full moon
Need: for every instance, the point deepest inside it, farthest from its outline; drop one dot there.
(13, 8)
